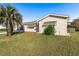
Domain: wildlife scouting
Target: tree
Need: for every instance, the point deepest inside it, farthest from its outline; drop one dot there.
(49, 30)
(10, 15)
(75, 24)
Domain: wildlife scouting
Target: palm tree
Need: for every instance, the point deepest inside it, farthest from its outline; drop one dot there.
(10, 15)
(18, 19)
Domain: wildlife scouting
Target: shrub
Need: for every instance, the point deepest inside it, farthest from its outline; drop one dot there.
(2, 29)
(49, 30)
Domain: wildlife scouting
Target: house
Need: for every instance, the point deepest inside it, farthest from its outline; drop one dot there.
(3, 26)
(59, 22)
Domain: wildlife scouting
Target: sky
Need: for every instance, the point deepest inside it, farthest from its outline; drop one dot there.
(35, 11)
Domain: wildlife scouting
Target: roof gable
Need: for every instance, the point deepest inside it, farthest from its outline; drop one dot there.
(49, 15)
(55, 15)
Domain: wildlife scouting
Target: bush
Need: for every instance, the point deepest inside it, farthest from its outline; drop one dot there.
(76, 29)
(2, 29)
(49, 30)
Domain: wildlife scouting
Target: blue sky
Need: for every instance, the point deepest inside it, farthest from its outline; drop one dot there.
(35, 11)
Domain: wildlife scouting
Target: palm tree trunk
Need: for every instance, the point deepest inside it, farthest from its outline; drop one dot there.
(9, 28)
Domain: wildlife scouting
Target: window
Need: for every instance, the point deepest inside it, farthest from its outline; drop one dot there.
(49, 23)
(30, 27)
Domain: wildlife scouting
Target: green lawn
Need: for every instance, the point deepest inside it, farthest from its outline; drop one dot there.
(38, 44)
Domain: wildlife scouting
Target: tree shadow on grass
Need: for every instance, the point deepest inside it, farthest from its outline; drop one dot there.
(17, 33)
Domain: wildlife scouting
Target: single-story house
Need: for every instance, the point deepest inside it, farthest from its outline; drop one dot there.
(59, 22)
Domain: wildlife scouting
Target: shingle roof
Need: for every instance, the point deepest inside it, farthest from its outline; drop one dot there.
(51, 15)
(30, 24)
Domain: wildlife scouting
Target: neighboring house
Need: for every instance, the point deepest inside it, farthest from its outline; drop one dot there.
(59, 22)
(2, 26)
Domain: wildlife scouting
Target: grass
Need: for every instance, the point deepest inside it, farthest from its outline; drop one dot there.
(33, 44)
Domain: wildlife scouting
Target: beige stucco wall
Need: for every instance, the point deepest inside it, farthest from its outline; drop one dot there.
(60, 27)
(29, 30)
